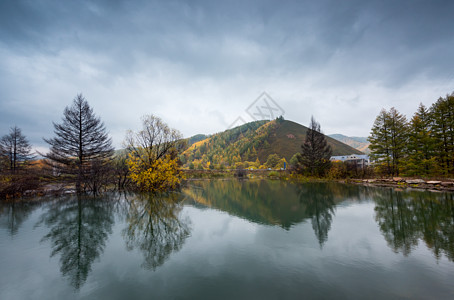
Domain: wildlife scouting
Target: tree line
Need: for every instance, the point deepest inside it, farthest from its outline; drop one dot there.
(81, 155)
(422, 146)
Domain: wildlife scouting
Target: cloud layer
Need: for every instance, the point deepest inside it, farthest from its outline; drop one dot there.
(199, 64)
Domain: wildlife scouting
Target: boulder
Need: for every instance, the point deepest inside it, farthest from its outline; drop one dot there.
(434, 182)
(414, 181)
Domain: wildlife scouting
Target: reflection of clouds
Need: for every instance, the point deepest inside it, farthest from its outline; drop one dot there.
(223, 229)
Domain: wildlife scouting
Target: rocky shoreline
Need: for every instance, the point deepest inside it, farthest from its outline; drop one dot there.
(434, 185)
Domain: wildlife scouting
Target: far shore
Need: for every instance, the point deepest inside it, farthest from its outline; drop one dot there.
(447, 184)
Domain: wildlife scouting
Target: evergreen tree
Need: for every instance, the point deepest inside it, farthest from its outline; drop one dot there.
(380, 141)
(80, 144)
(399, 136)
(388, 140)
(443, 130)
(421, 160)
(15, 150)
(316, 153)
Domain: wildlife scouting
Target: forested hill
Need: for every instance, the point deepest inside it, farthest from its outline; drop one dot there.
(252, 141)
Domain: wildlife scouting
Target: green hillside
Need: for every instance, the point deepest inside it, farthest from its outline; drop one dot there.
(253, 142)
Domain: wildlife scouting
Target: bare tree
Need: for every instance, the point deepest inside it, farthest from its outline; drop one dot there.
(81, 145)
(15, 150)
(155, 140)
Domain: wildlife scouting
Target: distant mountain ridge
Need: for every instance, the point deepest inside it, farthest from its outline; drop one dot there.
(254, 141)
(359, 143)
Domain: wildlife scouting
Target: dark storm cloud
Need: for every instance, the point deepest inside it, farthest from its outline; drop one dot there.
(289, 35)
(338, 45)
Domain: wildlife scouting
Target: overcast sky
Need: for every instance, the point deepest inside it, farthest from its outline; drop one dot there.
(199, 64)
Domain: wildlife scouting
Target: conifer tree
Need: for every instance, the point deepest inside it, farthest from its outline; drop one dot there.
(443, 130)
(380, 141)
(15, 150)
(316, 153)
(80, 145)
(388, 140)
(421, 160)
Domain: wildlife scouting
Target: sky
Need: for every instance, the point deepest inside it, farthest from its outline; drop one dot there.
(201, 65)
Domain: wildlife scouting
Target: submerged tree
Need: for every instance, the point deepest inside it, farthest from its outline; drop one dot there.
(81, 145)
(315, 152)
(15, 150)
(153, 155)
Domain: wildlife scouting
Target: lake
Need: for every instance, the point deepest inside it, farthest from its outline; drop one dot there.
(231, 239)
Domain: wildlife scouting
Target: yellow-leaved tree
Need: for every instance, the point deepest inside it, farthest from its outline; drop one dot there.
(153, 155)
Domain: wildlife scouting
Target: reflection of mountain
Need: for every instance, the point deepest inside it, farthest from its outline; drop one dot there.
(407, 217)
(274, 202)
(13, 214)
(78, 232)
(155, 227)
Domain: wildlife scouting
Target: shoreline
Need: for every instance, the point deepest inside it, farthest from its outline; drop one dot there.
(406, 183)
(446, 185)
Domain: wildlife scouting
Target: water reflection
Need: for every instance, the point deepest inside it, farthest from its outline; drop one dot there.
(275, 202)
(78, 230)
(320, 207)
(14, 213)
(405, 218)
(155, 227)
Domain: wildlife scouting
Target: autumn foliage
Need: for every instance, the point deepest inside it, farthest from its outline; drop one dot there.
(161, 174)
(153, 155)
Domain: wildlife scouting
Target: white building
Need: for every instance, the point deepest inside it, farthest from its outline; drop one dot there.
(361, 161)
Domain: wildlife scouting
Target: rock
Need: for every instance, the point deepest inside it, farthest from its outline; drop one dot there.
(371, 180)
(397, 179)
(386, 180)
(447, 183)
(434, 182)
(414, 181)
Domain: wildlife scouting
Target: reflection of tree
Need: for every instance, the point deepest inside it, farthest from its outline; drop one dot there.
(13, 214)
(397, 222)
(155, 227)
(406, 217)
(78, 232)
(319, 201)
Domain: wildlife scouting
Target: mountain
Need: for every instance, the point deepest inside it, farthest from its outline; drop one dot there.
(252, 141)
(359, 143)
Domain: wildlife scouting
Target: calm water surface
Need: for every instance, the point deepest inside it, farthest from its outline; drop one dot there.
(231, 239)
